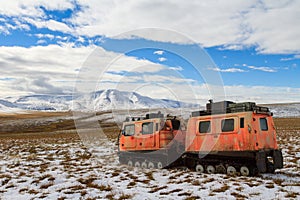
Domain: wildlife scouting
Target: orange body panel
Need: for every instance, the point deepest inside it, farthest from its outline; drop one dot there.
(245, 134)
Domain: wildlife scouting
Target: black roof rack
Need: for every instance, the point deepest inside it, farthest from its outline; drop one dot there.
(223, 107)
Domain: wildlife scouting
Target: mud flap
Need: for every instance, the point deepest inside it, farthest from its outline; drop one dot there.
(278, 160)
(261, 161)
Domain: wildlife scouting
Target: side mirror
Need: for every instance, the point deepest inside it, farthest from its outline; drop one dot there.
(123, 132)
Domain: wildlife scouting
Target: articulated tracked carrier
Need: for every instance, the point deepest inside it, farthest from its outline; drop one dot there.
(227, 137)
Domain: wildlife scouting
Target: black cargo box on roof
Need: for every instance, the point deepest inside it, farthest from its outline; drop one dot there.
(242, 107)
(218, 107)
(154, 115)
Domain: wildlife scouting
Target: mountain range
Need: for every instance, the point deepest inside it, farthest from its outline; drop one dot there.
(112, 99)
(96, 101)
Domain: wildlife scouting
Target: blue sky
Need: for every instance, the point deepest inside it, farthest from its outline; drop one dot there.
(252, 46)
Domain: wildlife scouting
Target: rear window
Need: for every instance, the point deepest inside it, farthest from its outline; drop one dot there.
(204, 127)
(263, 124)
(129, 130)
(147, 128)
(227, 125)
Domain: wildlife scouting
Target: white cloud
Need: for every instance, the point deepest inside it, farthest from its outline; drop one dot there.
(28, 66)
(41, 42)
(123, 63)
(163, 79)
(117, 79)
(162, 59)
(32, 7)
(287, 59)
(158, 52)
(232, 70)
(264, 69)
(4, 30)
(272, 27)
(234, 24)
(291, 58)
(40, 35)
(178, 68)
(58, 65)
(262, 94)
(30, 12)
(50, 24)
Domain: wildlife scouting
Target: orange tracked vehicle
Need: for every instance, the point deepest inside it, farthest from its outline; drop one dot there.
(227, 137)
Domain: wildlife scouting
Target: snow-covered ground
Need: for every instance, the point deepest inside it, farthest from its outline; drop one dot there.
(63, 168)
(285, 110)
(61, 165)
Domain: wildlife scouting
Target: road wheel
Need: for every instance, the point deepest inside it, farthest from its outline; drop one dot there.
(199, 168)
(245, 171)
(144, 165)
(159, 165)
(210, 169)
(221, 169)
(130, 163)
(137, 164)
(151, 165)
(231, 170)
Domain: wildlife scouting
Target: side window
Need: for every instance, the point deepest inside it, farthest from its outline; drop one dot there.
(147, 128)
(263, 124)
(242, 122)
(227, 125)
(175, 124)
(129, 130)
(204, 127)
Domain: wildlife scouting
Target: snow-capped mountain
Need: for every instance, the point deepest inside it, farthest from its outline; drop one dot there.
(96, 101)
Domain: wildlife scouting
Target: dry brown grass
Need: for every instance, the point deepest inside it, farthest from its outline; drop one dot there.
(149, 175)
(270, 185)
(32, 115)
(221, 189)
(153, 190)
(208, 180)
(192, 198)
(131, 184)
(292, 124)
(45, 186)
(292, 195)
(170, 192)
(238, 195)
(196, 182)
(19, 126)
(125, 196)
